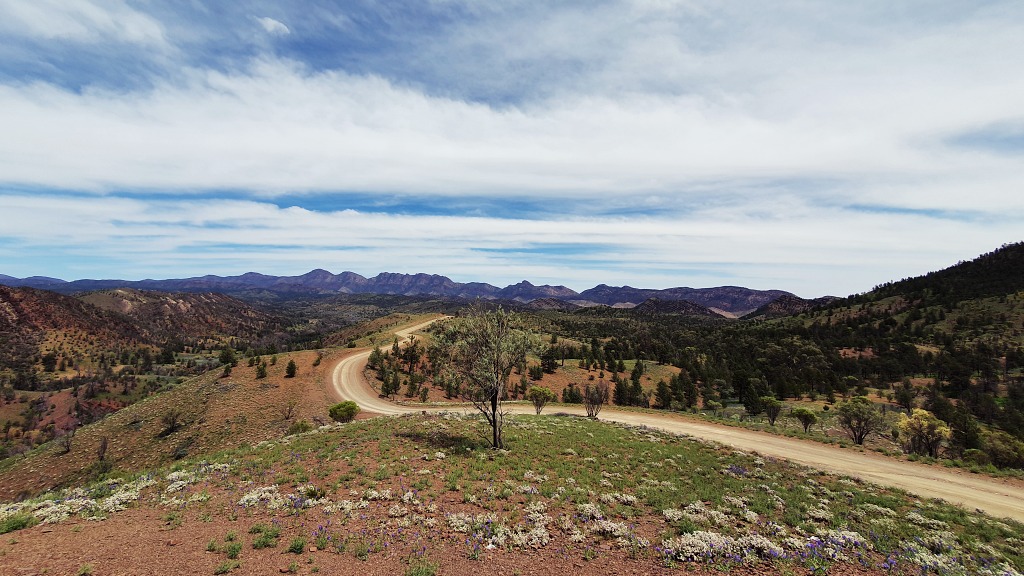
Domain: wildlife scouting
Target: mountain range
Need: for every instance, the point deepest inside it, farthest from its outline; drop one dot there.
(732, 301)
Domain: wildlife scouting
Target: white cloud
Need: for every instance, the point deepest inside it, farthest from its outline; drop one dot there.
(80, 21)
(811, 250)
(273, 27)
(277, 128)
(748, 129)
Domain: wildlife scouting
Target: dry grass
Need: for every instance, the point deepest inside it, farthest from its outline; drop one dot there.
(215, 413)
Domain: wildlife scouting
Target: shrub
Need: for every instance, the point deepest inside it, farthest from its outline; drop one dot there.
(975, 456)
(226, 566)
(298, 546)
(171, 421)
(422, 568)
(539, 396)
(17, 522)
(299, 426)
(267, 536)
(594, 398)
(344, 411)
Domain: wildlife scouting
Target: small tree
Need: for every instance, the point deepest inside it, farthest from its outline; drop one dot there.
(549, 360)
(344, 411)
(772, 408)
(540, 396)
(288, 410)
(67, 436)
(481, 349)
(227, 356)
(536, 372)
(860, 418)
(663, 395)
(101, 450)
(171, 421)
(805, 417)
(922, 432)
(290, 369)
(905, 394)
(595, 397)
(572, 394)
(261, 370)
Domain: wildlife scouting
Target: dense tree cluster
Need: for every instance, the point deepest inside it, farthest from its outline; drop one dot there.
(959, 330)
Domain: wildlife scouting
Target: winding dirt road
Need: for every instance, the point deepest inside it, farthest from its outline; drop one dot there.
(1000, 498)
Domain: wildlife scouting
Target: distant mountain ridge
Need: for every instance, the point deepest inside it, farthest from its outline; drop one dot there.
(726, 300)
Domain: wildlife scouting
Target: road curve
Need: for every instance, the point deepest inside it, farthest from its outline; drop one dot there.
(1000, 498)
(350, 384)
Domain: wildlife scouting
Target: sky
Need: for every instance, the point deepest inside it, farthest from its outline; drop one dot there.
(816, 147)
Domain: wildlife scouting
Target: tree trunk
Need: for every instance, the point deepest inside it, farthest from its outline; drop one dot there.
(494, 420)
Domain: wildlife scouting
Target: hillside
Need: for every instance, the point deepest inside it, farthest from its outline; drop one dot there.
(657, 306)
(730, 299)
(996, 273)
(211, 413)
(33, 311)
(787, 305)
(28, 317)
(188, 315)
(422, 495)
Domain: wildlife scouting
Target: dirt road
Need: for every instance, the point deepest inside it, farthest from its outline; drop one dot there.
(1000, 498)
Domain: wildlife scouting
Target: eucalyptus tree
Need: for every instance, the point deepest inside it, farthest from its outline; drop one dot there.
(480, 349)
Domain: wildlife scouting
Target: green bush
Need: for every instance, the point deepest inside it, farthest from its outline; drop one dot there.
(975, 456)
(226, 566)
(299, 426)
(298, 546)
(17, 522)
(344, 411)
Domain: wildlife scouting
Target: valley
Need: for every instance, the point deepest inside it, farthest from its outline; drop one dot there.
(169, 410)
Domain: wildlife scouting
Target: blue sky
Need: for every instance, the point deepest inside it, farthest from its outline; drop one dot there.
(821, 148)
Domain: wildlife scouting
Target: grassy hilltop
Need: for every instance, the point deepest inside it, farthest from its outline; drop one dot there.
(424, 494)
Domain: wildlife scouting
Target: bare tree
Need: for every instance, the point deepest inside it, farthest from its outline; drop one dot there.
(481, 349)
(171, 421)
(288, 410)
(67, 436)
(595, 397)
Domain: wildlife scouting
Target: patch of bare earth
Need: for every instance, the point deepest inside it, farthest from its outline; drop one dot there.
(140, 543)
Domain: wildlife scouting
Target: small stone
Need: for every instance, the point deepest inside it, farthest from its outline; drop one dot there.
(172, 543)
(312, 548)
